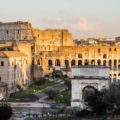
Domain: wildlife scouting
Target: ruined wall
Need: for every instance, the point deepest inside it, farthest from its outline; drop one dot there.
(16, 31)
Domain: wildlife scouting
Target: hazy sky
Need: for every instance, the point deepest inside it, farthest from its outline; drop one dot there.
(84, 18)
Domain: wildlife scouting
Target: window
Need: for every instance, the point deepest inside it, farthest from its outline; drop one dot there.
(18, 31)
(7, 31)
(104, 56)
(110, 49)
(2, 63)
(79, 55)
(79, 62)
(73, 62)
(50, 63)
(99, 50)
(99, 62)
(115, 49)
(0, 79)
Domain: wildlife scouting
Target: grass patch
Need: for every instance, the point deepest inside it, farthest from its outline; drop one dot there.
(64, 97)
(22, 97)
(36, 88)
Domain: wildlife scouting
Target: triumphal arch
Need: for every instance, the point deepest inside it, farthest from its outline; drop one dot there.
(96, 77)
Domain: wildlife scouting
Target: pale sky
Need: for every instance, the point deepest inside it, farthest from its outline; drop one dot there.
(84, 18)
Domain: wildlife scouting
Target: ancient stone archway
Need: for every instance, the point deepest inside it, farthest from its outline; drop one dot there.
(78, 87)
(50, 63)
(88, 91)
(92, 62)
(66, 63)
(73, 63)
(79, 62)
(99, 62)
(57, 62)
(86, 62)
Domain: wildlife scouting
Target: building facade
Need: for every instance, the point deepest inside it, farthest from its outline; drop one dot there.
(14, 69)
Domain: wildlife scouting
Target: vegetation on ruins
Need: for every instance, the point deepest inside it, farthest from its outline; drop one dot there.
(52, 92)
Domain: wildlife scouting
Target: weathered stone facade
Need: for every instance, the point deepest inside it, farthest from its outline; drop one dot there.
(16, 31)
(52, 48)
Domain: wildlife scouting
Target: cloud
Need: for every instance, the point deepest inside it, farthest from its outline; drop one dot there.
(84, 26)
(77, 24)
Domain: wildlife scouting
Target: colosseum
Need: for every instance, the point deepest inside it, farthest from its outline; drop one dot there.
(56, 49)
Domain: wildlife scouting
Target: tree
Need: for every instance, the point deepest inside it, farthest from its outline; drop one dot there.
(67, 83)
(52, 92)
(111, 96)
(95, 101)
(57, 74)
(5, 112)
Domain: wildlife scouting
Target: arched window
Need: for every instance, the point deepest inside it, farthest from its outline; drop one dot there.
(118, 66)
(114, 75)
(50, 63)
(92, 62)
(38, 62)
(104, 63)
(73, 63)
(115, 63)
(110, 49)
(86, 62)
(115, 49)
(104, 56)
(110, 63)
(57, 62)
(99, 62)
(99, 50)
(2, 63)
(79, 62)
(79, 55)
(66, 63)
(119, 74)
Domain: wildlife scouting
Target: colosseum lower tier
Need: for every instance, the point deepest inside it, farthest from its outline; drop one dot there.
(67, 56)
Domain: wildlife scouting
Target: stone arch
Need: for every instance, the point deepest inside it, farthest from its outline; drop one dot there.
(57, 62)
(86, 62)
(92, 62)
(66, 63)
(50, 63)
(79, 55)
(73, 63)
(38, 62)
(99, 62)
(119, 74)
(110, 63)
(99, 50)
(115, 63)
(118, 66)
(114, 75)
(104, 63)
(79, 62)
(105, 56)
(88, 87)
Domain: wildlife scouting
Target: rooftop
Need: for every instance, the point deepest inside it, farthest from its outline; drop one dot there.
(2, 84)
(8, 54)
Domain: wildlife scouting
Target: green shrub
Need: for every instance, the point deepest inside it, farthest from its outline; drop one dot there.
(52, 92)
